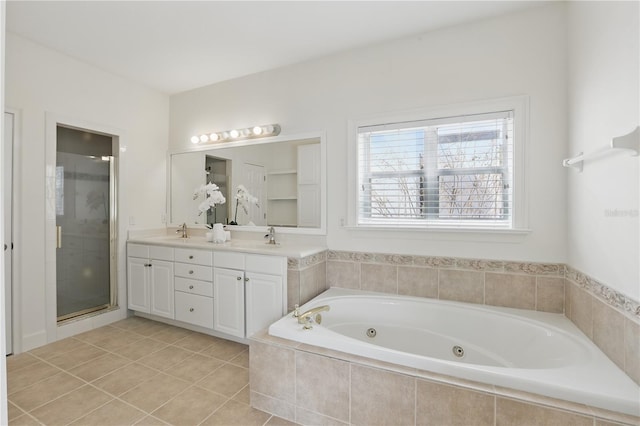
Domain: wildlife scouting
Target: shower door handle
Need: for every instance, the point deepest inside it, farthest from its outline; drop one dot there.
(58, 236)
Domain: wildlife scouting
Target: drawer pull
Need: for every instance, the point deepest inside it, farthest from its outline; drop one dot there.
(191, 309)
(190, 272)
(238, 278)
(190, 287)
(147, 265)
(190, 256)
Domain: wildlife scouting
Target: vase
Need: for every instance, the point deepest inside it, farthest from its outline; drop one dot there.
(218, 233)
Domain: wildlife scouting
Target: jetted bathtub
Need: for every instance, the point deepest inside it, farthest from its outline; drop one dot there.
(532, 351)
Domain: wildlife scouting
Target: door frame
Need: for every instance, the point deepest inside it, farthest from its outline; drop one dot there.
(56, 331)
(16, 306)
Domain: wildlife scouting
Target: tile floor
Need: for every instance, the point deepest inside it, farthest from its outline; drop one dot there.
(135, 371)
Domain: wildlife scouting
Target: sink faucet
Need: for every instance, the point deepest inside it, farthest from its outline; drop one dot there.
(271, 235)
(183, 229)
(306, 318)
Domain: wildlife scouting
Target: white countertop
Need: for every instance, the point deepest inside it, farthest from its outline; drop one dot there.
(288, 249)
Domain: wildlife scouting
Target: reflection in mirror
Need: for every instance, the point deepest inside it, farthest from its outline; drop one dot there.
(284, 177)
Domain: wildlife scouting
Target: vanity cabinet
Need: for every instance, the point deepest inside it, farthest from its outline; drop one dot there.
(150, 279)
(194, 286)
(246, 300)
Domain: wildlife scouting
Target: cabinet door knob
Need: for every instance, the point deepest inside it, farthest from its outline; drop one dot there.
(190, 272)
(190, 256)
(238, 278)
(190, 287)
(147, 265)
(246, 280)
(191, 309)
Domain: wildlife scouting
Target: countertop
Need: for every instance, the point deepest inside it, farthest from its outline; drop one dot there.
(288, 249)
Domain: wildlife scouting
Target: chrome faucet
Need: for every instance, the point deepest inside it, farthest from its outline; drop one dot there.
(306, 318)
(271, 235)
(182, 228)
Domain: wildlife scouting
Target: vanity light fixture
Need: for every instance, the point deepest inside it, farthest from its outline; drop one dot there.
(238, 134)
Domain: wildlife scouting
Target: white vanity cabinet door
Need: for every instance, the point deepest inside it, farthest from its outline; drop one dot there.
(228, 301)
(138, 287)
(263, 301)
(162, 297)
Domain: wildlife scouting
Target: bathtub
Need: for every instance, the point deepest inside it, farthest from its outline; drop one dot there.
(531, 351)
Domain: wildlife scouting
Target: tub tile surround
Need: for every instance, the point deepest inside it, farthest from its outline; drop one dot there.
(607, 317)
(349, 389)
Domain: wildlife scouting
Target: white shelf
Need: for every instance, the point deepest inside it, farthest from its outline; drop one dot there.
(283, 172)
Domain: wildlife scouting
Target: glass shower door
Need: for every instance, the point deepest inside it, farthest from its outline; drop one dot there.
(83, 221)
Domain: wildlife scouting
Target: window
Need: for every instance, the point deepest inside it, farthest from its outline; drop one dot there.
(455, 171)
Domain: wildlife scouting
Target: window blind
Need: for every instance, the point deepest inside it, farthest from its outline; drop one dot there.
(450, 171)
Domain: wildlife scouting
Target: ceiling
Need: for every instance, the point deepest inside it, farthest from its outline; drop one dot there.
(174, 46)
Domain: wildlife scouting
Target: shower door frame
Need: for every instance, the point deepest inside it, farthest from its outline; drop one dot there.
(55, 329)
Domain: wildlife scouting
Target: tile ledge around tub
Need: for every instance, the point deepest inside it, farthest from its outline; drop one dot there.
(498, 391)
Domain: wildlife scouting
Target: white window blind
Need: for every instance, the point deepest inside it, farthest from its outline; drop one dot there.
(445, 172)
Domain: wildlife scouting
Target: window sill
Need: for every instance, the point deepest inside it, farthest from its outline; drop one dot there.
(461, 234)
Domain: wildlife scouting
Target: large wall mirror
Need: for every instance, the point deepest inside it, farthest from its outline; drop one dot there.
(284, 176)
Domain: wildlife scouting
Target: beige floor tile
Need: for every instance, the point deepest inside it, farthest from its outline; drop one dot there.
(224, 349)
(45, 390)
(109, 338)
(194, 367)
(133, 323)
(190, 407)
(141, 348)
(25, 377)
(14, 411)
(99, 367)
(227, 380)
(152, 328)
(278, 421)
(234, 413)
(76, 357)
(156, 391)
(125, 378)
(60, 347)
(71, 406)
(24, 420)
(196, 342)
(113, 413)
(165, 358)
(242, 359)
(171, 334)
(16, 362)
(243, 396)
(150, 421)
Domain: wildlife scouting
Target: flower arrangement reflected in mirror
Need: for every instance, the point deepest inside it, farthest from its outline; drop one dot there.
(243, 199)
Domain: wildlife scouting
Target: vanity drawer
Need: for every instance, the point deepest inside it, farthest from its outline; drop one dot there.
(230, 260)
(203, 288)
(194, 309)
(264, 264)
(195, 272)
(197, 257)
(150, 252)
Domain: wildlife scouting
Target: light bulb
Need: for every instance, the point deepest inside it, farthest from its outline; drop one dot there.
(257, 130)
(195, 139)
(213, 137)
(234, 133)
(268, 129)
(204, 138)
(225, 135)
(245, 133)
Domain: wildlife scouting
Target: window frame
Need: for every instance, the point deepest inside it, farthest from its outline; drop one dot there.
(520, 107)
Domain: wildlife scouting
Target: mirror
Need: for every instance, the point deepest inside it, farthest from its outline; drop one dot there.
(284, 177)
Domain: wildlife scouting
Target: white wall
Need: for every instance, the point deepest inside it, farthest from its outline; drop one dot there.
(604, 98)
(519, 54)
(3, 367)
(41, 81)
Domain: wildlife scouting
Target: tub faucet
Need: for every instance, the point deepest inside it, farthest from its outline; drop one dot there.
(271, 235)
(182, 228)
(306, 318)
